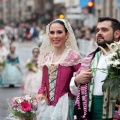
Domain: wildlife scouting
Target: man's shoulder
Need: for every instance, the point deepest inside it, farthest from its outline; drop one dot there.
(91, 55)
(94, 52)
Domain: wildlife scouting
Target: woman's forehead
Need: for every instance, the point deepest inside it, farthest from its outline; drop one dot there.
(56, 26)
(35, 49)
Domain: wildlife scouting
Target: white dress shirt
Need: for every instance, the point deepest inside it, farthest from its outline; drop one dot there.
(100, 76)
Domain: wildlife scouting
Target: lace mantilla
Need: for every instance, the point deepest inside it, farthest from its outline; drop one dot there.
(46, 46)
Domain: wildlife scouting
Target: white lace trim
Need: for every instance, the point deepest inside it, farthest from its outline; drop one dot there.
(68, 58)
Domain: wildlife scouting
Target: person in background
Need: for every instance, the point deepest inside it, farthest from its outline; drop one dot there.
(5, 39)
(3, 53)
(32, 79)
(3, 50)
(34, 32)
(26, 29)
(59, 60)
(12, 75)
(41, 34)
(92, 103)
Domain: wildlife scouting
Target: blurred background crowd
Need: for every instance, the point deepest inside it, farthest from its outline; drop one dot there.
(25, 20)
(34, 32)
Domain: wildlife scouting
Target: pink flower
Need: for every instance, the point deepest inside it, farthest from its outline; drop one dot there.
(26, 106)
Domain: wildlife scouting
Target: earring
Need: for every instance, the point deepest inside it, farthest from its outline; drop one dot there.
(67, 37)
(67, 43)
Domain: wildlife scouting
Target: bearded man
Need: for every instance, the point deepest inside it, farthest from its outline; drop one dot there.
(92, 103)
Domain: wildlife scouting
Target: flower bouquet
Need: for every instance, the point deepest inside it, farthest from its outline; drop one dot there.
(30, 65)
(112, 80)
(24, 108)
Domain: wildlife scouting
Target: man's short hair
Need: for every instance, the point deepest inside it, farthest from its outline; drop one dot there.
(115, 23)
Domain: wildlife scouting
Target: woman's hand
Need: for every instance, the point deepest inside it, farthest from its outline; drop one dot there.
(39, 97)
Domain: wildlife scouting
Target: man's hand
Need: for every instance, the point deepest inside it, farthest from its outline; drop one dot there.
(83, 77)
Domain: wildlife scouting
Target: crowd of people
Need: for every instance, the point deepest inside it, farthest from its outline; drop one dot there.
(10, 34)
(23, 31)
(86, 37)
(11, 72)
(67, 86)
(33, 31)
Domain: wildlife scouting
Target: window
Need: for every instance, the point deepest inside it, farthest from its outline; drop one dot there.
(29, 8)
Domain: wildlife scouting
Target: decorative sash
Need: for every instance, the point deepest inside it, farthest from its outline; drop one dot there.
(81, 105)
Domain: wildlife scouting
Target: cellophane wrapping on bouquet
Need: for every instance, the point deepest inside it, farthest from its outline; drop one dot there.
(23, 108)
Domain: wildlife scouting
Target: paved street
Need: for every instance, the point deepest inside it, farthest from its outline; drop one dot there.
(24, 52)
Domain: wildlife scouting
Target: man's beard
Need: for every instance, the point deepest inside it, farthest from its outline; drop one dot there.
(104, 42)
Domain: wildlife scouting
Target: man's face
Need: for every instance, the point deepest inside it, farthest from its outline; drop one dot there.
(104, 33)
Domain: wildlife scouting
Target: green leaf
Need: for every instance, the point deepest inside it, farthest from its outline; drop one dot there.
(30, 65)
(27, 115)
(115, 90)
(107, 83)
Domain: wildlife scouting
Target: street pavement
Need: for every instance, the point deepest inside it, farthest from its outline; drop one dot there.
(24, 51)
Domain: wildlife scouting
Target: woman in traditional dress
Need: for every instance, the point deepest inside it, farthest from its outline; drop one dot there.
(32, 79)
(59, 60)
(12, 73)
(3, 53)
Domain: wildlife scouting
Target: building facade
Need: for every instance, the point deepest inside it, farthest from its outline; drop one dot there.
(1, 11)
(106, 8)
(71, 3)
(17, 10)
(12, 10)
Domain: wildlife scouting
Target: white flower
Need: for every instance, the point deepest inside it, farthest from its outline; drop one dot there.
(116, 63)
(110, 63)
(19, 101)
(112, 55)
(28, 61)
(28, 96)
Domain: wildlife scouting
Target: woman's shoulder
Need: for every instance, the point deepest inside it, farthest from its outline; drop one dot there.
(73, 58)
(73, 55)
(15, 56)
(46, 56)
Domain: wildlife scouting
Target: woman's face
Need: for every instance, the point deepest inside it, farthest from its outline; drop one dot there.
(12, 49)
(57, 35)
(35, 52)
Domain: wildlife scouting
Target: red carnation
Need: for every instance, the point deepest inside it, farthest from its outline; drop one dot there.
(26, 106)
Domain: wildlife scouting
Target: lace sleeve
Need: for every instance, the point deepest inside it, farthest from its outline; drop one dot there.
(73, 58)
